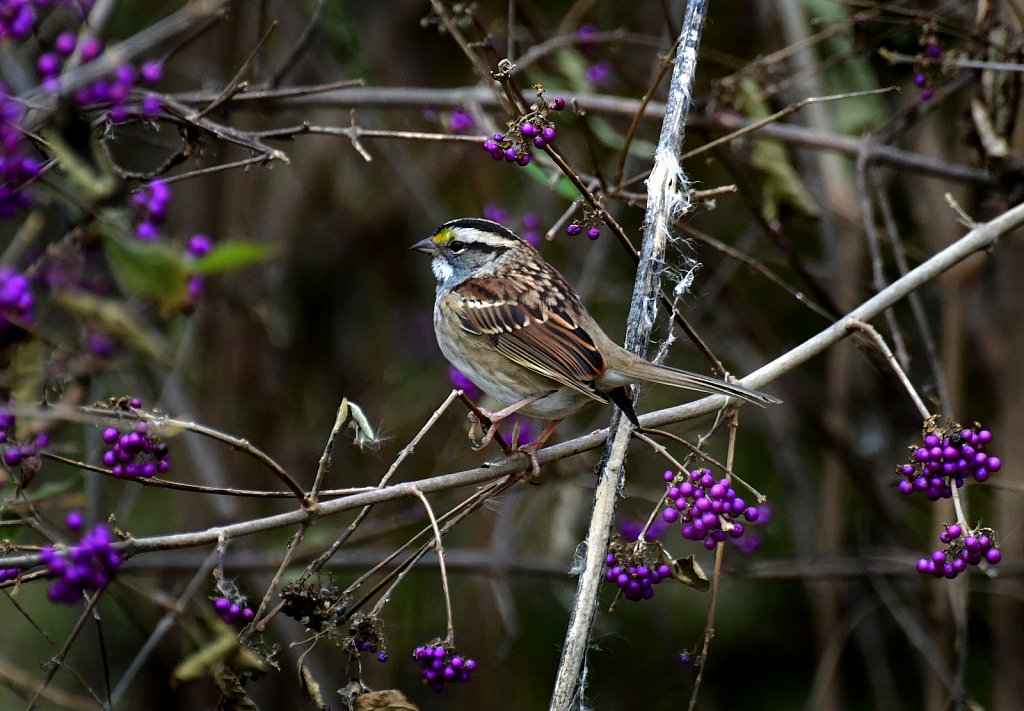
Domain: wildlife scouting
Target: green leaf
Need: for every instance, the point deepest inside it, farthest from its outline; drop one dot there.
(229, 255)
(563, 186)
(153, 271)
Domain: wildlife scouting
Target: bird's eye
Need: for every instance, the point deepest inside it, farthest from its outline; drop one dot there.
(456, 247)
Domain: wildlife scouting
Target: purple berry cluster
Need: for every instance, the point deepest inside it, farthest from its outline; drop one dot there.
(946, 459)
(599, 74)
(707, 508)
(232, 612)
(947, 456)
(530, 224)
(753, 533)
(366, 635)
(534, 130)
(16, 168)
(631, 528)
(114, 90)
(591, 224)
(14, 451)
(960, 549)
(460, 381)
(439, 665)
(932, 50)
(81, 568)
(150, 204)
(460, 121)
(18, 18)
(135, 453)
(631, 571)
(8, 574)
(198, 246)
(16, 300)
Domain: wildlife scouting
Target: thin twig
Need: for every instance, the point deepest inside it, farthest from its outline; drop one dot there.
(439, 548)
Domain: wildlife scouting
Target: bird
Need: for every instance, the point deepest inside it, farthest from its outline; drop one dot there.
(515, 327)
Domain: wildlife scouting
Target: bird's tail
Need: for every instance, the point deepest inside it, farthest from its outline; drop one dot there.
(666, 375)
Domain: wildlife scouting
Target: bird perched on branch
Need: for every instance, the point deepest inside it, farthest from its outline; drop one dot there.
(513, 325)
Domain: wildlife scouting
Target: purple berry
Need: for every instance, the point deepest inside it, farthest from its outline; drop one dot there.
(152, 72)
(48, 64)
(528, 130)
(91, 48)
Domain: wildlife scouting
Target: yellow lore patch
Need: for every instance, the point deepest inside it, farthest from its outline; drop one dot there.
(442, 236)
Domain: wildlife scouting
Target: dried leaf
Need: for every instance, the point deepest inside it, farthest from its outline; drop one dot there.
(309, 687)
(201, 663)
(385, 700)
(688, 572)
(234, 697)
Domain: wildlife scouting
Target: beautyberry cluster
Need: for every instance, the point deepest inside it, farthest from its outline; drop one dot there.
(923, 75)
(634, 571)
(150, 204)
(16, 301)
(18, 18)
(16, 168)
(198, 246)
(948, 456)
(136, 452)
(8, 574)
(232, 612)
(591, 224)
(460, 121)
(533, 130)
(530, 231)
(15, 452)
(81, 568)
(961, 548)
(631, 528)
(114, 90)
(753, 533)
(439, 665)
(707, 508)
(366, 635)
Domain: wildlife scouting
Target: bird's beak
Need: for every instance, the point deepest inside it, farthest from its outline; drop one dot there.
(427, 246)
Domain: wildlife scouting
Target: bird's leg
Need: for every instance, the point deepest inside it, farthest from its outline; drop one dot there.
(533, 447)
(497, 416)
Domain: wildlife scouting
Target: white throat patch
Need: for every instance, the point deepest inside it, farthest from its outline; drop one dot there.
(442, 270)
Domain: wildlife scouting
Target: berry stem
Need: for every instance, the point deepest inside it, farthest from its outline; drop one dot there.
(958, 507)
(439, 547)
(855, 324)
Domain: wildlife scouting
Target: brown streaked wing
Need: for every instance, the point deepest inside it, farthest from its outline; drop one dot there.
(543, 337)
